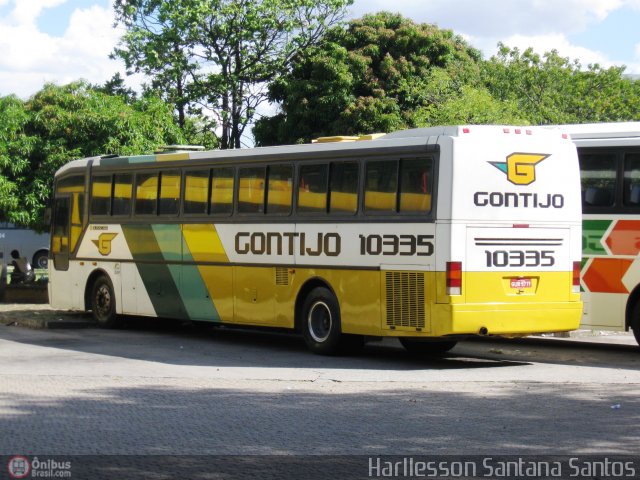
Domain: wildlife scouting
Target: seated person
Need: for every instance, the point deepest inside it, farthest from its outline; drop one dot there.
(22, 271)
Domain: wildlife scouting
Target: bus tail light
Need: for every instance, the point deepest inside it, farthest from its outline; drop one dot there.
(576, 278)
(454, 278)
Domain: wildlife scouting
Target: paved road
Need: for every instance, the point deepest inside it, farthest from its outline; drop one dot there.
(186, 390)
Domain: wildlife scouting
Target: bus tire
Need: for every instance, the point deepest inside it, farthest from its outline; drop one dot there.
(427, 348)
(40, 259)
(321, 322)
(103, 303)
(635, 321)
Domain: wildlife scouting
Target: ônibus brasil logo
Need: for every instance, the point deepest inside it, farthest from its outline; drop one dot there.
(520, 167)
(19, 466)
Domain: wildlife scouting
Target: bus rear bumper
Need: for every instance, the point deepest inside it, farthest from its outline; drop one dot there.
(500, 319)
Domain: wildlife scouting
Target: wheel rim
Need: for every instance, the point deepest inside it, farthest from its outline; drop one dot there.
(319, 321)
(103, 301)
(42, 262)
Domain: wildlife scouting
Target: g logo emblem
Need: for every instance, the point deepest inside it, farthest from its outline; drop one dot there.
(104, 243)
(520, 167)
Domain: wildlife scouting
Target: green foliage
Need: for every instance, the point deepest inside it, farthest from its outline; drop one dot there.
(551, 89)
(216, 56)
(374, 75)
(384, 73)
(60, 123)
(454, 104)
(15, 149)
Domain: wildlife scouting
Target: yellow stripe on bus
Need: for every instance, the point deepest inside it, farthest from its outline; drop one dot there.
(204, 243)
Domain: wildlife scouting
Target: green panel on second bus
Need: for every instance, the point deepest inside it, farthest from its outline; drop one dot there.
(592, 235)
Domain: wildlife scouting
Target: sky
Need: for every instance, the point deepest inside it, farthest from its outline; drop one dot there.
(61, 41)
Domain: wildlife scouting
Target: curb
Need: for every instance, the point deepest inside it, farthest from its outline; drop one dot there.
(52, 321)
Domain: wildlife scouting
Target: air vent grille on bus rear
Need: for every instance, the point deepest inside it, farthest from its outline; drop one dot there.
(282, 276)
(405, 299)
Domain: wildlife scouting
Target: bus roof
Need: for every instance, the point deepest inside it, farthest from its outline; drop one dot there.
(402, 139)
(603, 130)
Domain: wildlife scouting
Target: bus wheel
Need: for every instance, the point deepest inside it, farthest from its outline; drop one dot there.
(321, 322)
(427, 348)
(635, 321)
(103, 303)
(40, 259)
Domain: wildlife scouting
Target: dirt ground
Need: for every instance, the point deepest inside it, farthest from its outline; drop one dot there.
(37, 315)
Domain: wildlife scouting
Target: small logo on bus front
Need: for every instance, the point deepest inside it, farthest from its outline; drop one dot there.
(520, 167)
(104, 243)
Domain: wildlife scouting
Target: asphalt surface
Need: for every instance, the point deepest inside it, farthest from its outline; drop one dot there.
(159, 388)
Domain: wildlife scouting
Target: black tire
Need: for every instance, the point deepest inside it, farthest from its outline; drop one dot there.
(427, 348)
(40, 259)
(103, 303)
(635, 321)
(321, 326)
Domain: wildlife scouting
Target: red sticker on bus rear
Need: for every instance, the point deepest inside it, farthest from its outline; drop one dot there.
(521, 283)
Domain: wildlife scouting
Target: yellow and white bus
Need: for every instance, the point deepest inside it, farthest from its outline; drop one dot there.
(609, 156)
(428, 235)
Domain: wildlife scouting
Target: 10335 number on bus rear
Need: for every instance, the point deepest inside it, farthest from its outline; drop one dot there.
(520, 258)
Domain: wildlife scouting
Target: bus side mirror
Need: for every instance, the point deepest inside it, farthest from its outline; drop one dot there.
(47, 216)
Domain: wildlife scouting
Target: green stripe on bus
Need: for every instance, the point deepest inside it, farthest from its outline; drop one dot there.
(196, 296)
(159, 280)
(187, 278)
(592, 235)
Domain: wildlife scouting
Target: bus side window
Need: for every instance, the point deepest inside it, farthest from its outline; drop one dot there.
(122, 190)
(60, 230)
(415, 186)
(279, 189)
(101, 195)
(251, 190)
(222, 181)
(381, 186)
(343, 188)
(632, 179)
(196, 192)
(598, 177)
(312, 189)
(146, 193)
(169, 203)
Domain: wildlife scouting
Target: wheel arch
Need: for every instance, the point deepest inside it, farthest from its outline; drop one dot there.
(89, 286)
(304, 291)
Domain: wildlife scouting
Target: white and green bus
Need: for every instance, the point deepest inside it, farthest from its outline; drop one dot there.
(609, 156)
(428, 235)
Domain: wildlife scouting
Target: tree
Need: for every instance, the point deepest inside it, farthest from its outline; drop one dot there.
(16, 146)
(374, 75)
(217, 56)
(60, 123)
(550, 89)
